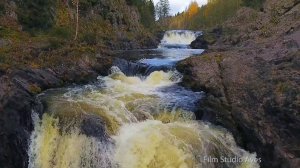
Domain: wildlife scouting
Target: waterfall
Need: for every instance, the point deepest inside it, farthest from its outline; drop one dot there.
(178, 38)
(136, 117)
(129, 122)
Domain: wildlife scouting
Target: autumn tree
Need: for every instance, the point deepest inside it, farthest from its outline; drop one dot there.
(192, 9)
(214, 13)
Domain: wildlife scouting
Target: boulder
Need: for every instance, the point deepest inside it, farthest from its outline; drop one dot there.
(199, 43)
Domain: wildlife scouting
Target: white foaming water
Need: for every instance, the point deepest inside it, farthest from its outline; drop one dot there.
(140, 131)
(178, 38)
(154, 144)
(174, 47)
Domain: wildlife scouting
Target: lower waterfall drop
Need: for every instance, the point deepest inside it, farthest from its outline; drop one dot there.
(128, 122)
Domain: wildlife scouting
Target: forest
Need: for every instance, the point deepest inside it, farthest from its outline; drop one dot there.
(76, 25)
(214, 13)
(69, 18)
(44, 14)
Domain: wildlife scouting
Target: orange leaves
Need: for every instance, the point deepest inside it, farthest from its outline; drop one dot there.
(193, 9)
(214, 13)
(184, 20)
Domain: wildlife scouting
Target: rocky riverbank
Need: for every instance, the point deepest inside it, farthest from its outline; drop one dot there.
(251, 74)
(17, 94)
(38, 52)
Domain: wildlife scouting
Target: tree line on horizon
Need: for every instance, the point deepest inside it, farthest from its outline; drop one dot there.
(214, 13)
(43, 14)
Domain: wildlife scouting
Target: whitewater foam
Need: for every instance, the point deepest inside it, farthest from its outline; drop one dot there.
(142, 129)
(178, 38)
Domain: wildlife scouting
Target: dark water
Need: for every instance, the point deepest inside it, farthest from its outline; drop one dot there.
(160, 56)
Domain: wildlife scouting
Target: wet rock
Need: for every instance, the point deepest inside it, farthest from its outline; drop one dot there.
(130, 68)
(17, 102)
(95, 127)
(40, 79)
(16, 124)
(159, 35)
(199, 43)
(103, 64)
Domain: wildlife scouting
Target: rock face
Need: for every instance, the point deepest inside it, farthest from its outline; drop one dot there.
(252, 81)
(199, 43)
(17, 100)
(256, 100)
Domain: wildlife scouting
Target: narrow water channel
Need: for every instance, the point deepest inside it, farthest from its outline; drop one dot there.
(141, 120)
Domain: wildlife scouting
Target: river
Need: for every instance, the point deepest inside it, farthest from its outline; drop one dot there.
(133, 119)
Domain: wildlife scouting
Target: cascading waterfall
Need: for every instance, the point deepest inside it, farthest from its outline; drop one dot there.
(178, 38)
(135, 118)
(173, 47)
(129, 122)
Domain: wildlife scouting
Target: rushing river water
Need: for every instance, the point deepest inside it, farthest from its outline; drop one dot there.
(132, 121)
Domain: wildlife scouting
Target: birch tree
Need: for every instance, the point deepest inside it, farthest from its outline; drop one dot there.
(76, 4)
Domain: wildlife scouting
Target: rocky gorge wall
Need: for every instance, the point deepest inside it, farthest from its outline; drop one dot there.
(17, 94)
(38, 52)
(251, 76)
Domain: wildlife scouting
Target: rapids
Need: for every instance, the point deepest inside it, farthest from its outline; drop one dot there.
(129, 121)
(178, 38)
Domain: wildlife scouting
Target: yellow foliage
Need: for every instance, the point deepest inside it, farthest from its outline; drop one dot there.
(63, 16)
(193, 9)
(214, 13)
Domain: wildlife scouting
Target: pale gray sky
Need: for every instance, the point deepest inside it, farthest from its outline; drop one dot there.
(181, 5)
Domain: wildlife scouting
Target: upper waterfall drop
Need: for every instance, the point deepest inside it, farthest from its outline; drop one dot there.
(178, 38)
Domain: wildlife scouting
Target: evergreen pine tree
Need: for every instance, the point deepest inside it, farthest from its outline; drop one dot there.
(162, 9)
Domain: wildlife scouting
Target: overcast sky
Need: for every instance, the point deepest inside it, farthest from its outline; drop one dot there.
(180, 5)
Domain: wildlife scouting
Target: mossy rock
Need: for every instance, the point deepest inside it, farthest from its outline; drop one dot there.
(210, 38)
(34, 89)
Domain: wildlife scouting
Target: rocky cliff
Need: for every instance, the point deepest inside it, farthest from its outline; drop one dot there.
(17, 94)
(39, 50)
(251, 74)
